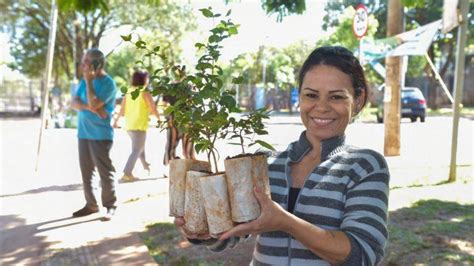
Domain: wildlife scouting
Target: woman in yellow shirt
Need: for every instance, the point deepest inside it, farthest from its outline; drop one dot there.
(136, 112)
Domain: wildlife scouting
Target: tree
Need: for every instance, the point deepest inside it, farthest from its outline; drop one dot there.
(27, 23)
(282, 66)
(340, 33)
(284, 7)
(418, 13)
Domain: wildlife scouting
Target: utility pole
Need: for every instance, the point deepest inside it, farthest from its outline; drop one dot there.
(393, 82)
(47, 74)
(458, 84)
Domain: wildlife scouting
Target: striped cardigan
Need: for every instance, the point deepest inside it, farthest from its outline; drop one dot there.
(348, 191)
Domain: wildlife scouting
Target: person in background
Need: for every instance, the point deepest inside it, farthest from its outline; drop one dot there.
(329, 200)
(137, 112)
(95, 101)
(173, 136)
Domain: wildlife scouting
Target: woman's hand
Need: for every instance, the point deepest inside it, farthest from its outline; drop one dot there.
(272, 218)
(180, 222)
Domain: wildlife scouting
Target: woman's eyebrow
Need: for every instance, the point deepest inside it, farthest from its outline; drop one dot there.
(310, 89)
(338, 90)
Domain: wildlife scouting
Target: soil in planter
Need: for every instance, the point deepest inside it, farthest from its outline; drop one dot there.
(246, 155)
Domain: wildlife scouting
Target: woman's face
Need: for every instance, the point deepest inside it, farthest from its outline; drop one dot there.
(326, 102)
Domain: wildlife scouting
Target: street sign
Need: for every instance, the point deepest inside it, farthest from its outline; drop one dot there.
(360, 22)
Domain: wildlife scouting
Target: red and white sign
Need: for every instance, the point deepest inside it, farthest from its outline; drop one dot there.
(360, 22)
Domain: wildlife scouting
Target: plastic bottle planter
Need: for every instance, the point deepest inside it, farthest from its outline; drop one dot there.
(216, 203)
(242, 174)
(194, 212)
(178, 169)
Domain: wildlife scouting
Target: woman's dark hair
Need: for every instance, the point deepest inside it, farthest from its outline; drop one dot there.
(340, 58)
(139, 78)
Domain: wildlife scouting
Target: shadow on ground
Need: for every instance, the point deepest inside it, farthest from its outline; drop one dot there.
(431, 232)
(167, 247)
(20, 243)
(115, 251)
(64, 188)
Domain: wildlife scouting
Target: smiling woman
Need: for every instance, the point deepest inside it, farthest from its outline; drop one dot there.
(328, 200)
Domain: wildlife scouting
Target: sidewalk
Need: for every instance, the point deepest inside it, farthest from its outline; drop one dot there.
(36, 227)
(36, 224)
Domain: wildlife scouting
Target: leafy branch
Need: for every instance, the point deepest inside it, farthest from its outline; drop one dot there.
(245, 129)
(203, 107)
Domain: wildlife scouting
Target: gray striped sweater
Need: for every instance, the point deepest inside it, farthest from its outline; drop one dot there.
(348, 191)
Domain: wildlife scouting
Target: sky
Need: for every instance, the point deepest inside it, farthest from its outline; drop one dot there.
(257, 28)
(5, 58)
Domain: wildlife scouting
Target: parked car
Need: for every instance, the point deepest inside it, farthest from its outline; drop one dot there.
(413, 104)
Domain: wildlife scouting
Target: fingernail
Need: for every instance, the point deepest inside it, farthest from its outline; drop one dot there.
(257, 189)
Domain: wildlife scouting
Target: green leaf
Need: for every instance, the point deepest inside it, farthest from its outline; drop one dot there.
(206, 12)
(238, 80)
(157, 71)
(199, 147)
(140, 44)
(135, 93)
(234, 143)
(233, 30)
(202, 66)
(214, 39)
(228, 101)
(126, 38)
(228, 13)
(124, 89)
(199, 45)
(169, 110)
(265, 144)
(156, 49)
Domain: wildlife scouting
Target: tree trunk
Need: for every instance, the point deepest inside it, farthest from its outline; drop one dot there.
(433, 84)
(394, 80)
(290, 105)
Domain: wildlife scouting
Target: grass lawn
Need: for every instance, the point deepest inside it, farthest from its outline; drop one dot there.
(431, 232)
(167, 247)
(436, 230)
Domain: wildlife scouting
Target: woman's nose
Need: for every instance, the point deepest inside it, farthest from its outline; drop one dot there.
(321, 105)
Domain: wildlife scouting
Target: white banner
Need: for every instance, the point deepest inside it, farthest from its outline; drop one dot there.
(414, 42)
(450, 15)
(417, 41)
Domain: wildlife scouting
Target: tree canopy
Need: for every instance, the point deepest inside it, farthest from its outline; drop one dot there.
(82, 24)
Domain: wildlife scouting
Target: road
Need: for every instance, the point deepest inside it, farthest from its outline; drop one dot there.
(423, 145)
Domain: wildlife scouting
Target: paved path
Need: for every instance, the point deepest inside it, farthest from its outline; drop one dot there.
(35, 207)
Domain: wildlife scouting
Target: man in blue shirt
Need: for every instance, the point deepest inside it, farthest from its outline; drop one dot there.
(95, 101)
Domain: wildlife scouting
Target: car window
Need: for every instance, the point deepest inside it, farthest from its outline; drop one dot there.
(411, 93)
